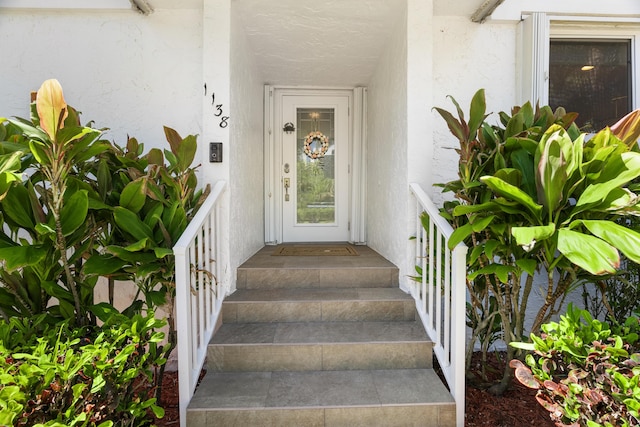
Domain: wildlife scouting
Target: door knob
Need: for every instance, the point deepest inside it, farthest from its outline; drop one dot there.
(287, 184)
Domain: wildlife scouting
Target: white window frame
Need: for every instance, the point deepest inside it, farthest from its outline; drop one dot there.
(538, 28)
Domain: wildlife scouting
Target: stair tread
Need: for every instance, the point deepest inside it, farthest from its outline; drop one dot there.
(304, 389)
(317, 295)
(283, 333)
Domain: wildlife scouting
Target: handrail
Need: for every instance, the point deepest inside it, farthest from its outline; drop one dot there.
(199, 294)
(440, 293)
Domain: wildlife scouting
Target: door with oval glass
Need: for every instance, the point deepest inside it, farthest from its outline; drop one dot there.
(314, 168)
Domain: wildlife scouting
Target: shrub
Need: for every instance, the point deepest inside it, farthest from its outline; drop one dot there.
(59, 376)
(586, 372)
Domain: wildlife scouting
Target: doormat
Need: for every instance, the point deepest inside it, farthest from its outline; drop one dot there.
(311, 250)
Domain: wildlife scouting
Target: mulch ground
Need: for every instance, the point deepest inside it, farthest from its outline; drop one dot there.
(516, 407)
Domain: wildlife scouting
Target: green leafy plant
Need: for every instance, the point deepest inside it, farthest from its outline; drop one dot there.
(47, 218)
(532, 195)
(58, 376)
(585, 371)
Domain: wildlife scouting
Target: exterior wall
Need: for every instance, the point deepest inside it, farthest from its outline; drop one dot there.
(128, 72)
(387, 182)
(246, 151)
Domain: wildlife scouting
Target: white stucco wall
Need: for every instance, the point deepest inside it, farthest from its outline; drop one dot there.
(245, 149)
(387, 181)
(128, 72)
(483, 56)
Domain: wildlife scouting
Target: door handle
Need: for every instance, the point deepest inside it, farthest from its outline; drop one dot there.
(287, 184)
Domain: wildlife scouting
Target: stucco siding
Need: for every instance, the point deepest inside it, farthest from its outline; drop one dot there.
(245, 150)
(387, 182)
(128, 72)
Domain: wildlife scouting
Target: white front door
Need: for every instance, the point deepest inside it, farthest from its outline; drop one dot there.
(314, 166)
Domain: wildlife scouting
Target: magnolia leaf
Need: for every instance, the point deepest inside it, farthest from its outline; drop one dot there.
(16, 257)
(51, 107)
(512, 192)
(526, 236)
(74, 212)
(155, 157)
(588, 252)
(620, 237)
(455, 127)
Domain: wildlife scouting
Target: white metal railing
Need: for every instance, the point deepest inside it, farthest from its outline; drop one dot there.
(441, 293)
(199, 294)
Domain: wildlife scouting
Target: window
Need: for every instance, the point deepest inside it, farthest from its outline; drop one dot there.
(591, 77)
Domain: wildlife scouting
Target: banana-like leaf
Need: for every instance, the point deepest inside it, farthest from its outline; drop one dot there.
(74, 212)
(512, 192)
(552, 168)
(51, 107)
(618, 236)
(526, 236)
(588, 252)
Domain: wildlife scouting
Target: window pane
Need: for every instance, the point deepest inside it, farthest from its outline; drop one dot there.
(592, 78)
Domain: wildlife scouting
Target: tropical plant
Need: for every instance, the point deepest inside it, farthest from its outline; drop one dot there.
(47, 218)
(532, 195)
(62, 376)
(585, 371)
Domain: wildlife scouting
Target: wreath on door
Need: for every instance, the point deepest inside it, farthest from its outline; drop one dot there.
(322, 145)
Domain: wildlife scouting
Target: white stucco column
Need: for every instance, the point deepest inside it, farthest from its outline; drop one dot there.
(216, 50)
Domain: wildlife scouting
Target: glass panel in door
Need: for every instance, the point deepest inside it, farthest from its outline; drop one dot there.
(315, 165)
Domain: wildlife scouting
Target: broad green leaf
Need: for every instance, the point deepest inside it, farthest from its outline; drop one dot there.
(162, 252)
(588, 252)
(16, 205)
(21, 256)
(103, 265)
(510, 176)
(51, 107)
(620, 237)
(477, 112)
(480, 224)
(459, 235)
(499, 270)
(512, 192)
(39, 152)
(140, 245)
(523, 161)
(551, 163)
(186, 152)
(528, 265)
(131, 224)
(467, 209)
(526, 236)
(155, 157)
(515, 125)
(130, 257)
(133, 196)
(74, 212)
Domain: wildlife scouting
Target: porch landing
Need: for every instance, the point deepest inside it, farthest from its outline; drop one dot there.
(320, 341)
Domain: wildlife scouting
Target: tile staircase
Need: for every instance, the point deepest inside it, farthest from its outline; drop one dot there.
(320, 341)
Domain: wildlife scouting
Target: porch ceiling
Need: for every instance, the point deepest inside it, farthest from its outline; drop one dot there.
(326, 42)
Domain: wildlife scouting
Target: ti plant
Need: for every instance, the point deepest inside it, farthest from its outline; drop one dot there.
(533, 196)
(47, 217)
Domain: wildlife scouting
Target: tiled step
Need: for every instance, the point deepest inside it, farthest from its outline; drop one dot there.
(313, 305)
(398, 397)
(319, 346)
(265, 271)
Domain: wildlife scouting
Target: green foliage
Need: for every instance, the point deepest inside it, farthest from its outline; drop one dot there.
(59, 376)
(585, 371)
(532, 195)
